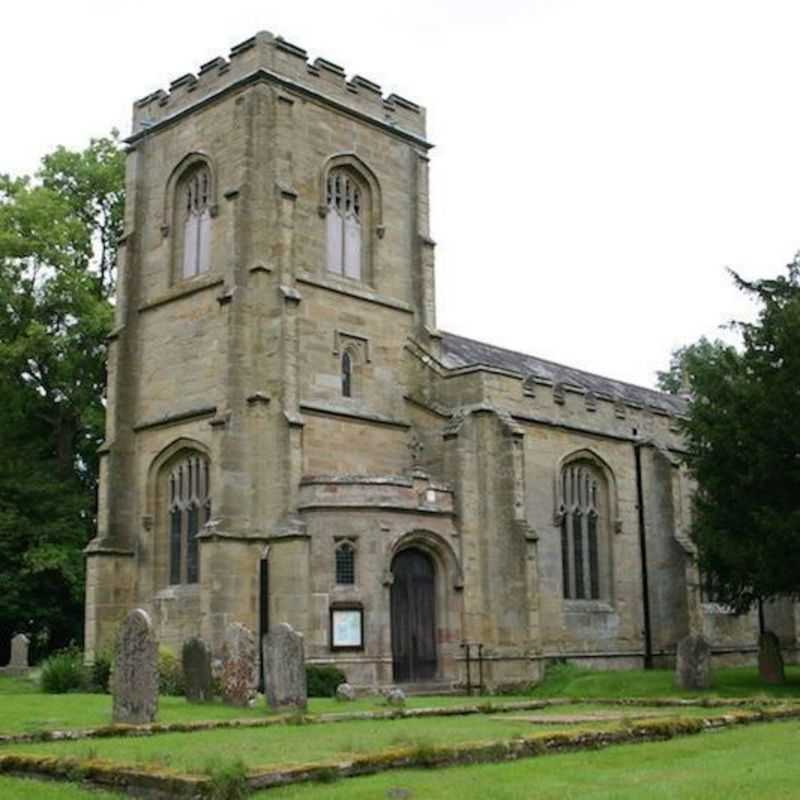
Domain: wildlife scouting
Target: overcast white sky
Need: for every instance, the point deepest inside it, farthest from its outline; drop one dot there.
(598, 162)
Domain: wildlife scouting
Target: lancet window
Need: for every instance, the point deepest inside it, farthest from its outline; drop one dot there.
(581, 531)
(193, 210)
(345, 224)
(189, 510)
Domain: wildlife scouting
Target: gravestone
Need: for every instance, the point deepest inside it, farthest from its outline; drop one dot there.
(134, 681)
(770, 660)
(239, 665)
(345, 692)
(284, 668)
(693, 664)
(196, 662)
(18, 665)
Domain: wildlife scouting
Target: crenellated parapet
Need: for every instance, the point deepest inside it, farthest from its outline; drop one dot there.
(268, 57)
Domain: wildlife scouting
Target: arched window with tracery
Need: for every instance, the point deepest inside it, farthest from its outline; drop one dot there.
(189, 510)
(345, 563)
(346, 222)
(193, 222)
(582, 514)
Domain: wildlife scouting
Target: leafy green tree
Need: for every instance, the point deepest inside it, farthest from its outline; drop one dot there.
(58, 241)
(743, 437)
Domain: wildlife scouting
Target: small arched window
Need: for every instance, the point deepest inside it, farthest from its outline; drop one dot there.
(193, 222)
(345, 224)
(345, 563)
(189, 509)
(582, 528)
(347, 374)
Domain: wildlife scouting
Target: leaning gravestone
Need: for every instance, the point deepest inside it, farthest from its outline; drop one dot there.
(770, 660)
(134, 682)
(196, 662)
(284, 668)
(693, 664)
(239, 665)
(18, 665)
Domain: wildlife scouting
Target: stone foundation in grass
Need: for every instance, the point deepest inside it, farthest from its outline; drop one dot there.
(163, 783)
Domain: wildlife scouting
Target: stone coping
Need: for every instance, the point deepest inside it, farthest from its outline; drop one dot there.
(489, 706)
(158, 782)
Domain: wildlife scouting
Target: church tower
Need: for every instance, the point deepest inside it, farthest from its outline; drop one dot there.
(276, 259)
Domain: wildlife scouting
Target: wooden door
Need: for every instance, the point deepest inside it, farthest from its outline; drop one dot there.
(413, 617)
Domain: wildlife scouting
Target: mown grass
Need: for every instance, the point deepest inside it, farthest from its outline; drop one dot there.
(759, 761)
(25, 789)
(570, 681)
(294, 744)
(24, 709)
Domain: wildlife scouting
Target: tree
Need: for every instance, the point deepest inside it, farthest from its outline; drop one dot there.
(58, 240)
(743, 438)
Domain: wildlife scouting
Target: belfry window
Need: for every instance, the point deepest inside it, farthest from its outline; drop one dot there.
(189, 510)
(347, 374)
(193, 209)
(580, 515)
(344, 224)
(345, 563)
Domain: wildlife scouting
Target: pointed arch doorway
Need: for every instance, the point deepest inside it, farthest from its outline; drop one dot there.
(413, 616)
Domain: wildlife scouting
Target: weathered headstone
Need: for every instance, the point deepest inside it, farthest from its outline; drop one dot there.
(239, 665)
(284, 668)
(396, 697)
(134, 682)
(770, 660)
(693, 664)
(196, 662)
(345, 692)
(18, 665)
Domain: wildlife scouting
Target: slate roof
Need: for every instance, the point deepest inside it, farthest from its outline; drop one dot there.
(458, 351)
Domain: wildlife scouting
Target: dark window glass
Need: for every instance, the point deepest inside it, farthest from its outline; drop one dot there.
(347, 375)
(192, 565)
(345, 564)
(175, 546)
(565, 556)
(577, 543)
(594, 578)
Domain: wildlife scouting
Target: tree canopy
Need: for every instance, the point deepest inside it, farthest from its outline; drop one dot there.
(743, 438)
(58, 241)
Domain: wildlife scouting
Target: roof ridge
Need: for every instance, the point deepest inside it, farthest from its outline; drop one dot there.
(564, 366)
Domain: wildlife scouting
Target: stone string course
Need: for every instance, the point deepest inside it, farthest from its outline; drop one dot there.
(158, 783)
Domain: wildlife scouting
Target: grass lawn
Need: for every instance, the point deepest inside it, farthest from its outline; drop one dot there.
(23, 708)
(758, 761)
(568, 681)
(292, 744)
(24, 789)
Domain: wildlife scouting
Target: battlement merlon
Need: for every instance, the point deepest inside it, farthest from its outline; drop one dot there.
(268, 57)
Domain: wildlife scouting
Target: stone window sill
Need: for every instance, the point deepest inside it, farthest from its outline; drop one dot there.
(718, 609)
(587, 607)
(352, 288)
(183, 289)
(177, 591)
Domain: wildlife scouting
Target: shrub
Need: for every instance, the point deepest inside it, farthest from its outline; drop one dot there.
(100, 673)
(63, 672)
(227, 781)
(170, 673)
(322, 681)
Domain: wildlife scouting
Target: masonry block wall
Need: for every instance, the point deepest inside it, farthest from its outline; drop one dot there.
(327, 409)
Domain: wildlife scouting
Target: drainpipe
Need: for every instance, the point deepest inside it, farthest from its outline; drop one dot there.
(648, 634)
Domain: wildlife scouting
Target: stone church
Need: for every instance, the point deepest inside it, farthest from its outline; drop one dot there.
(291, 438)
